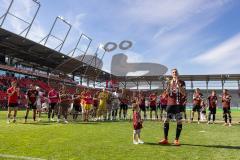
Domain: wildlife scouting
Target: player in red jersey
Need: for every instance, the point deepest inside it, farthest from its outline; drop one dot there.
(153, 105)
(95, 105)
(163, 103)
(175, 89)
(212, 103)
(13, 93)
(197, 98)
(65, 103)
(124, 99)
(226, 101)
(76, 104)
(53, 97)
(31, 95)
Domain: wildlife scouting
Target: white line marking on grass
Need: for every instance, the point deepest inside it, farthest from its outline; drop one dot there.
(202, 131)
(19, 157)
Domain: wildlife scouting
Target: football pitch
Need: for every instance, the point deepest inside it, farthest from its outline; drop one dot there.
(113, 140)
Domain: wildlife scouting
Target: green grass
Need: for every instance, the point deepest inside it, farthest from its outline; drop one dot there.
(113, 140)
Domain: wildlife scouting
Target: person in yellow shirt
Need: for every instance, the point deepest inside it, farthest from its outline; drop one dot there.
(102, 108)
(88, 100)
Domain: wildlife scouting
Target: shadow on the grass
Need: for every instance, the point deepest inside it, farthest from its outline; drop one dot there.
(212, 146)
(80, 122)
(196, 145)
(155, 144)
(37, 123)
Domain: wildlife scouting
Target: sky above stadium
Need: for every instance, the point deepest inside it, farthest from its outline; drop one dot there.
(195, 36)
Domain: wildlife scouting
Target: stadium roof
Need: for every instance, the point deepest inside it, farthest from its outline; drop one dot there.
(29, 51)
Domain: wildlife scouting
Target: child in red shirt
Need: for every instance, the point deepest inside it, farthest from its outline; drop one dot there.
(137, 124)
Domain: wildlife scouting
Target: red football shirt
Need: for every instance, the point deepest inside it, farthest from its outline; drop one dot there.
(137, 122)
(32, 95)
(88, 98)
(226, 100)
(13, 98)
(152, 98)
(212, 101)
(163, 100)
(173, 95)
(53, 96)
(197, 98)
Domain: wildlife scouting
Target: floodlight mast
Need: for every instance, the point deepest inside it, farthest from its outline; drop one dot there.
(50, 33)
(12, 14)
(95, 56)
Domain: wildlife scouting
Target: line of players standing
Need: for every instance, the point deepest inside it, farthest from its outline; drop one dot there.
(105, 105)
(200, 106)
(97, 105)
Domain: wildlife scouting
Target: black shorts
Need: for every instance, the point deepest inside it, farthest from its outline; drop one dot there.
(153, 108)
(164, 107)
(32, 106)
(174, 110)
(212, 110)
(142, 107)
(182, 108)
(77, 107)
(123, 106)
(52, 106)
(13, 105)
(226, 110)
(196, 108)
(203, 112)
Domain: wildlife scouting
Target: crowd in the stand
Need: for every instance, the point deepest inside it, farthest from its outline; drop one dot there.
(32, 72)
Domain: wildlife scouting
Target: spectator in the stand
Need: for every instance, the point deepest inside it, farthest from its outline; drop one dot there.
(32, 95)
(53, 96)
(13, 93)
